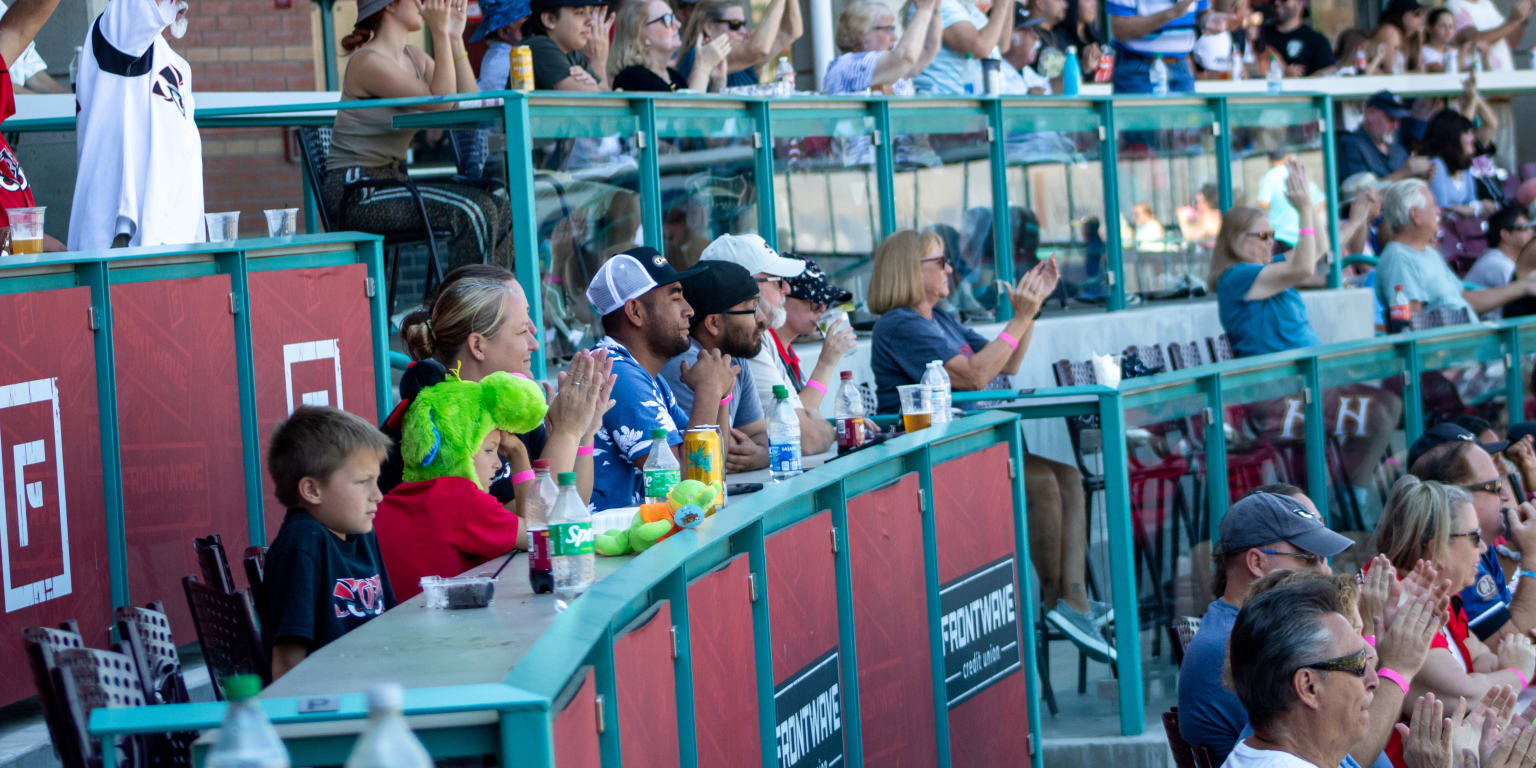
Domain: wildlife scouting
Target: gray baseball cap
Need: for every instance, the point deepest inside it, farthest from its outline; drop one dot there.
(1263, 518)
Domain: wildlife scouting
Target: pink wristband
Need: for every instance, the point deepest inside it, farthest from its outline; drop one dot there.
(1370, 640)
(816, 385)
(727, 399)
(1306, 232)
(522, 477)
(1391, 674)
(1009, 340)
(1523, 681)
(584, 450)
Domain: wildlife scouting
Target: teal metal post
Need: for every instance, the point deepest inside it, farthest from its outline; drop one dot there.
(1021, 561)
(527, 735)
(1215, 454)
(372, 253)
(1514, 392)
(328, 43)
(607, 687)
(233, 264)
(1109, 156)
(1122, 564)
(650, 174)
(762, 161)
(923, 459)
(762, 642)
(675, 587)
(1331, 170)
(95, 275)
(885, 167)
(835, 498)
(1316, 437)
(1002, 225)
(1224, 152)
(1413, 407)
(311, 206)
(525, 240)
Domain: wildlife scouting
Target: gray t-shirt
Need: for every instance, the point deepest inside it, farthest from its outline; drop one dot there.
(551, 65)
(745, 407)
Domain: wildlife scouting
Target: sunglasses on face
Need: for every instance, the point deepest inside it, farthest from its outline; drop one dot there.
(943, 260)
(886, 28)
(1306, 557)
(668, 19)
(1475, 536)
(735, 25)
(751, 311)
(1493, 486)
(1353, 663)
(1263, 236)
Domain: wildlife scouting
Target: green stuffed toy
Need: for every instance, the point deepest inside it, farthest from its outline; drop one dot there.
(448, 421)
(684, 508)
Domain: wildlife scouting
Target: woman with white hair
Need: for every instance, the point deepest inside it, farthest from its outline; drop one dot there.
(645, 36)
(873, 58)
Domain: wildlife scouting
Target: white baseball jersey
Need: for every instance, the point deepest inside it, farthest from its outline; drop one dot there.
(139, 153)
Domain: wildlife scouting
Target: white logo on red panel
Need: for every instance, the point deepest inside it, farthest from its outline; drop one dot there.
(312, 352)
(28, 498)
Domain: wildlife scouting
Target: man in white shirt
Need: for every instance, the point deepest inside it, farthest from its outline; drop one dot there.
(1508, 232)
(140, 178)
(770, 269)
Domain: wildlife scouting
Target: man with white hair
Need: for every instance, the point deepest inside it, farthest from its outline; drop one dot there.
(1411, 260)
(140, 178)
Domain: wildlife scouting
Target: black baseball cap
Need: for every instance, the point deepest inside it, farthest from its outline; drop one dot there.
(1447, 432)
(1519, 430)
(715, 286)
(1389, 103)
(1022, 19)
(1263, 518)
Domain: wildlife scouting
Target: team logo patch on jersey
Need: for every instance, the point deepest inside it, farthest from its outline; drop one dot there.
(1293, 49)
(1485, 586)
(167, 85)
(12, 179)
(359, 598)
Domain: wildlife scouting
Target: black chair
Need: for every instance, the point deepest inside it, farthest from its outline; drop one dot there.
(228, 631)
(213, 562)
(1220, 347)
(146, 636)
(43, 645)
(1439, 318)
(87, 680)
(315, 149)
(255, 573)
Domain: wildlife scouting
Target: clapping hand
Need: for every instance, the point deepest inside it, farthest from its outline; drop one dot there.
(1298, 188)
(436, 14)
(1427, 737)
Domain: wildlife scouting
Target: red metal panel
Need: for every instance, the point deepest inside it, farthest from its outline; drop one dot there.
(48, 402)
(802, 594)
(647, 692)
(311, 335)
(575, 730)
(724, 665)
(179, 410)
(973, 512)
(890, 616)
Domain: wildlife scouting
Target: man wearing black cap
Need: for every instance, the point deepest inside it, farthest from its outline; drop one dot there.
(725, 321)
(1374, 147)
(1451, 454)
(811, 294)
(1262, 532)
(569, 42)
(638, 296)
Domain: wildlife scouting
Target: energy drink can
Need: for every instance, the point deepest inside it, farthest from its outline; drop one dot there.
(522, 68)
(704, 460)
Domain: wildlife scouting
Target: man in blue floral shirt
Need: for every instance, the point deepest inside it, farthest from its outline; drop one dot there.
(646, 319)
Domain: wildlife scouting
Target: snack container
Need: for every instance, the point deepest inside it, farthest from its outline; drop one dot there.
(458, 591)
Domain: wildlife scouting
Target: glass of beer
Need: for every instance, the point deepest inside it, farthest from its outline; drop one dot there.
(916, 407)
(282, 222)
(26, 229)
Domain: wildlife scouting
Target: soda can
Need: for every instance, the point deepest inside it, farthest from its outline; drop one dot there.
(522, 68)
(704, 460)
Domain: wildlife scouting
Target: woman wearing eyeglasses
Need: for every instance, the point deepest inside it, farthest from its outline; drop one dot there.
(873, 57)
(751, 47)
(645, 36)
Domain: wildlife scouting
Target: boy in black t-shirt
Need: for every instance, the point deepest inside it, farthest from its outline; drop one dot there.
(324, 573)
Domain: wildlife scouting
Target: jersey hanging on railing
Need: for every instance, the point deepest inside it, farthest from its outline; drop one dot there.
(140, 157)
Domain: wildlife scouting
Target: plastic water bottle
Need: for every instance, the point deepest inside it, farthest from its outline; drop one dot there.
(1275, 75)
(848, 414)
(1071, 73)
(936, 381)
(388, 741)
(541, 503)
(1477, 61)
(1400, 314)
(246, 738)
(784, 77)
(1236, 62)
(783, 437)
(1452, 66)
(570, 542)
(661, 469)
(1159, 77)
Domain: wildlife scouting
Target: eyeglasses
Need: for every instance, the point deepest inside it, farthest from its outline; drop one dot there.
(735, 25)
(777, 282)
(669, 19)
(751, 311)
(1493, 486)
(1353, 663)
(943, 260)
(1263, 236)
(887, 28)
(1474, 535)
(1305, 557)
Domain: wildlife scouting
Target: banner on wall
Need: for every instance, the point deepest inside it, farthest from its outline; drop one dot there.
(32, 494)
(979, 625)
(808, 721)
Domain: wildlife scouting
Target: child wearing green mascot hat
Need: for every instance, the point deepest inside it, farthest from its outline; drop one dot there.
(441, 521)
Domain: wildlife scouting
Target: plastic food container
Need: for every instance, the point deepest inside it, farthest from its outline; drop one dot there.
(459, 591)
(618, 517)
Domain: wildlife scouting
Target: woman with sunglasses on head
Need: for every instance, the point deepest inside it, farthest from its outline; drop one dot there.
(750, 48)
(645, 36)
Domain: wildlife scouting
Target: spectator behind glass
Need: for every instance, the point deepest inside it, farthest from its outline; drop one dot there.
(1508, 232)
(1440, 40)
(1374, 146)
(1409, 17)
(1274, 528)
(1450, 141)
(873, 58)
(1303, 50)
(969, 36)
(751, 48)
(1481, 22)
(1260, 308)
(1349, 41)
(1385, 51)
(1201, 222)
(1153, 29)
(1282, 215)
(1020, 76)
(366, 146)
(1082, 30)
(569, 42)
(324, 464)
(645, 36)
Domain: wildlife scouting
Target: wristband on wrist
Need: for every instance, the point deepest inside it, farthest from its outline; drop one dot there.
(1391, 674)
(727, 399)
(1007, 338)
(1307, 232)
(522, 477)
(584, 450)
(461, 56)
(1370, 640)
(816, 385)
(1524, 681)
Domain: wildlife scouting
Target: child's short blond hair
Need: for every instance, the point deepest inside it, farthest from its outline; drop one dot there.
(315, 442)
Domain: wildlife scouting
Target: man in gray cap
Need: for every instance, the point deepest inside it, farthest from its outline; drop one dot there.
(1273, 528)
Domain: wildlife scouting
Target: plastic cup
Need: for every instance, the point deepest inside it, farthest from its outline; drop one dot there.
(222, 226)
(26, 229)
(916, 407)
(282, 222)
(830, 320)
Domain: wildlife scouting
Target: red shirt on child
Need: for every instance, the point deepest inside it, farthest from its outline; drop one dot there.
(440, 527)
(15, 190)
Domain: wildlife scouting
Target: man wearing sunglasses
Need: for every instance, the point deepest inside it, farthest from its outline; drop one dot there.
(1508, 232)
(1273, 528)
(1449, 453)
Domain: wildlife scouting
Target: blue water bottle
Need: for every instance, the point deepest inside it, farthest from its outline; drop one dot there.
(1071, 73)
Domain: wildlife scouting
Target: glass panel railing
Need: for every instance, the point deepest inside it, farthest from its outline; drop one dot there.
(1266, 426)
(1167, 154)
(1263, 134)
(709, 184)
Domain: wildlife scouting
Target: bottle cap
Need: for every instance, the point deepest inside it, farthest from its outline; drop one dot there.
(386, 696)
(567, 478)
(241, 687)
(781, 392)
(658, 434)
(1398, 287)
(846, 375)
(541, 463)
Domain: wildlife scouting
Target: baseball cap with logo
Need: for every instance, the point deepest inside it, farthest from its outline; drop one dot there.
(1389, 103)
(1447, 432)
(1264, 518)
(630, 275)
(814, 286)
(752, 252)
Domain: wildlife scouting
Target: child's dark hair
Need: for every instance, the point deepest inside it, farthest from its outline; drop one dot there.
(315, 442)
